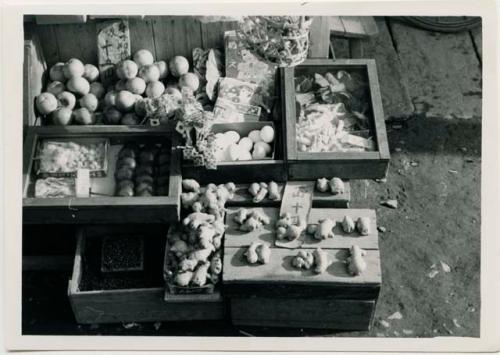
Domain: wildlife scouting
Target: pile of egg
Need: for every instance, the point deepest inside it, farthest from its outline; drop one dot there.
(257, 145)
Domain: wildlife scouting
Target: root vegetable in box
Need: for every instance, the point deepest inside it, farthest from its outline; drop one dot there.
(332, 113)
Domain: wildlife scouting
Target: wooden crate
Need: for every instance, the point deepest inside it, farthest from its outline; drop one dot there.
(130, 305)
(102, 209)
(278, 295)
(242, 171)
(346, 165)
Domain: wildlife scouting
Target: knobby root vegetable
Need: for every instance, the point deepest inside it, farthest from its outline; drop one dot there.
(251, 253)
(273, 191)
(363, 225)
(348, 224)
(216, 265)
(190, 185)
(280, 233)
(219, 226)
(241, 216)
(217, 241)
(197, 206)
(206, 235)
(260, 216)
(188, 199)
(303, 260)
(200, 275)
(180, 247)
(195, 219)
(321, 260)
(285, 229)
(264, 253)
(322, 185)
(337, 186)
(188, 265)
(261, 195)
(183, 278)
(201, 254)
(355, 263)
(250, 224)
(325, 229)
(311, 229)
(284, 221)
(254, 189)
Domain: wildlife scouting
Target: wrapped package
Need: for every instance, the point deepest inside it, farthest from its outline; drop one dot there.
(236, 102)
(53, 187)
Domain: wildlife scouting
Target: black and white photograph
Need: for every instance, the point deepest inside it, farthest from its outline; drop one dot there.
(251, 175)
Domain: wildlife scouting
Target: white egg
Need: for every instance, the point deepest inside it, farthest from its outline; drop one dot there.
(245, 155)
(258, 152)
(255, 136)
(234, 152)
(246, 143)
(267, 134)
(264, 145)
(232, 136)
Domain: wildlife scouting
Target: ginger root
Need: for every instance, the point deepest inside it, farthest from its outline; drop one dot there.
(363, 225)
(264, 253)
(260, 216)
(190, 185)
(200, 275)
(216, 265)
(188, 265)
(355, 263)
(322, 184)
(206, 235)
(195, 219)
(183, 278)
(325, 229)
(254, 189)
(303, 260)
(273, 191)
(250, 224)
(336, 186)
(348, 224)
(311, 229)
(321, 260)
(251, 253)
(241, 216)
(261, 195)
(188, 199)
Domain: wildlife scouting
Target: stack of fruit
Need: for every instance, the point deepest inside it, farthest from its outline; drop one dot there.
(72, 95)
(142, 171)
(256, 146)
(75, 95)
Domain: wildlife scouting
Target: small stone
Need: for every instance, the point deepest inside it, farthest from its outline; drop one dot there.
(445, 267)
(455, 322)
(381, 229)
(130, 325)
(453, 171)
(390, 203)
(395, 315)
(463, 149)
(407, 331)
(413, 163)
(469, 160)
(382, 181)
(157, 325)
(400, 172)
(432, 274)
(398, 150)
(471, 309)
(384, 323)
(380, 335)
(396, 333)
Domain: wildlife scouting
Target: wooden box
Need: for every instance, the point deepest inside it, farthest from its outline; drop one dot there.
(145, 304)
(99, 208)
(243, 171)
(278, 295)
(346, 165)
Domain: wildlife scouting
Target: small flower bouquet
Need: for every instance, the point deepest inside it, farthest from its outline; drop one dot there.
(283, 40)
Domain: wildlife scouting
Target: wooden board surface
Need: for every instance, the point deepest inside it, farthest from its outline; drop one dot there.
(319, 37)
(302, 312)
(352, 26)
(429, 81)
(236, 238)
(59, 19)
(34, 77)
(477, 36)
(280, 270)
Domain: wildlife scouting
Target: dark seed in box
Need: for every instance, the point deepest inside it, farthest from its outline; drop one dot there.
(122, 253)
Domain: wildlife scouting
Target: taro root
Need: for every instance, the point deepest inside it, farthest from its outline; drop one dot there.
(355, 263)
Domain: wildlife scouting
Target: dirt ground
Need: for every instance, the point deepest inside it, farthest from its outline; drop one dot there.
(431, 244)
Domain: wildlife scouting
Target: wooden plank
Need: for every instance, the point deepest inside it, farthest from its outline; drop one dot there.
(342, 239)
(344, 169)
(477, 37)
(353, 27)
(59, 19)
(113, 46)
(163, 37)
(305, 312)
(336, 26)
(356, 48)
(212, 33)
(49, 44)
(141, 35)
(236, 238)
(340, 47)
(279, 270)
(84, 48)
(393, 80)
(369, 25)
(193, 27)
(444, 85)
(319, 37)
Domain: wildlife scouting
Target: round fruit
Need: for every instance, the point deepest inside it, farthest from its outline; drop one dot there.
(110, 98)
(143, 57)
(145, 193)
(56, 87)
(163, 68)
(46, 103)
(121, 85)
(90, 72)
(189, 80)
(245, 155)
(67, 99)
(125, 184)
(155, 89)
(78, 85)
(267, 147)
(144, 169)
(126, 191)
(146, 156)
(128, 162)
(144, 179)
(62, 116)
(56, 73)
(130, 119)
(235, 152)
(97, 89)
(136, 86)
(113, 116)
(267, 134)
(259, 152)
(149, 73)
(126, 69)
(124, 173)
(125, 101)
(73, 68)
(144, 186)
(140, 108)
(83, 116)
(246, 143)
(126, 153)
(255, 136)
(232, 136)
(89, 102)
(178, 65)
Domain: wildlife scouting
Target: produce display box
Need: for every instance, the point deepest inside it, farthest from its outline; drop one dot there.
(243, 198)
(99, 208)
(247, 171)
(278, 295)
(346, 165)
(132, 304)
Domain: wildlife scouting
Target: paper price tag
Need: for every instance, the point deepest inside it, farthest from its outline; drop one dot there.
(82, 183)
